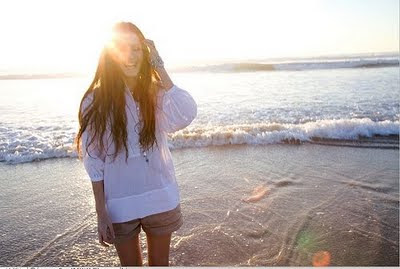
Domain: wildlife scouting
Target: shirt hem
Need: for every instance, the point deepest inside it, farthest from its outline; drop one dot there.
(142, 205)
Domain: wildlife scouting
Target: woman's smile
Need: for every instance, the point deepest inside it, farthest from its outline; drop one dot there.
(130, 65)
(127, 51)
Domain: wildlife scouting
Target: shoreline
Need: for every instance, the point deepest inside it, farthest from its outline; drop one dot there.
(242, 205)
(377, 141)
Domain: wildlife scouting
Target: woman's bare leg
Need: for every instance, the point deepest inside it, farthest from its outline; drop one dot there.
(158, 249)
(130, 252)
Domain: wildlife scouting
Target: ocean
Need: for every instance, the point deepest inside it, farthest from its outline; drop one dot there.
(310, 144)
(325, 100)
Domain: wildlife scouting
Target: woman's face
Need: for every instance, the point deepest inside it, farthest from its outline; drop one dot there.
(128, 52)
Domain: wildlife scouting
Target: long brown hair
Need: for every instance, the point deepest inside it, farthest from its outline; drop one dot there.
(108, 88)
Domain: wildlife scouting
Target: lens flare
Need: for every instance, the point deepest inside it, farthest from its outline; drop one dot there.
(321, 258)
(257, 194)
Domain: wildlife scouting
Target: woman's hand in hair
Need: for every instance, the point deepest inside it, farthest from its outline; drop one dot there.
(152, 47)
(155, 58)
(165, 81)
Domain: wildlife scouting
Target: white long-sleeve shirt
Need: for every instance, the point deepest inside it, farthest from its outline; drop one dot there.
(138, 188)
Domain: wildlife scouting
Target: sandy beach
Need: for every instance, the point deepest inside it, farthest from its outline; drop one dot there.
(290, 156)
(285, 205)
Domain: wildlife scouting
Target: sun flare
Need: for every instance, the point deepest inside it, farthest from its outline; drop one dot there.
(69, 35)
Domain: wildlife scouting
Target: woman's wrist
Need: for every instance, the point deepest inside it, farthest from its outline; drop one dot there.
(157, 62)
(165, 79)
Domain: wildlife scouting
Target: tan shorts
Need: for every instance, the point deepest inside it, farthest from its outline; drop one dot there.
(157, 224)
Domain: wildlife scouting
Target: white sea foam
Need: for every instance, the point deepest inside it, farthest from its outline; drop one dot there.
(272, 133)
(18, 148)
(19, 145)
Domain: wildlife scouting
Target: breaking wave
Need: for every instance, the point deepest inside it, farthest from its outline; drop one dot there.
(19, 146)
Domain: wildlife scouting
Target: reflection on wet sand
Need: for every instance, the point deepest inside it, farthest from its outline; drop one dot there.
(258, 193)
(276, 205)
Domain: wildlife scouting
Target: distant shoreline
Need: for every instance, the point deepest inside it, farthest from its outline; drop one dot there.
(40, 76)
(361, 60)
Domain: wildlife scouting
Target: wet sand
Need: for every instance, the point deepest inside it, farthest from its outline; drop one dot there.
(282, 205)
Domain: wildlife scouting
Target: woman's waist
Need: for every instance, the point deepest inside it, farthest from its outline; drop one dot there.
(139, 191)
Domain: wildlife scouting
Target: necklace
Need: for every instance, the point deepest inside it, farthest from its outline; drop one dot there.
(138, 111)
(145, 156)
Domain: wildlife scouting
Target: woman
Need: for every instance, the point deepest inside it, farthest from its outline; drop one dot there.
(124, 118)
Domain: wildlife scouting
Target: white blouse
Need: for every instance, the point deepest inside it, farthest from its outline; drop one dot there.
(140, 188)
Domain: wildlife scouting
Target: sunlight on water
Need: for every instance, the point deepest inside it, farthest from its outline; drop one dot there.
(39, 117)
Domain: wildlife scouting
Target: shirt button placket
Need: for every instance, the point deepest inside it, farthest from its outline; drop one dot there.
(144, 153)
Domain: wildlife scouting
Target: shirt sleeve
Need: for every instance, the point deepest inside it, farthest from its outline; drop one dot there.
(93, 159)
(176, 109)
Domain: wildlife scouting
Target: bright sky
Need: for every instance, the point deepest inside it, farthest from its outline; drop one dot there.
(68, 35)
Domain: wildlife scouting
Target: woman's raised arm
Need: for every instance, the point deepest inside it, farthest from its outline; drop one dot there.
(175, 110)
